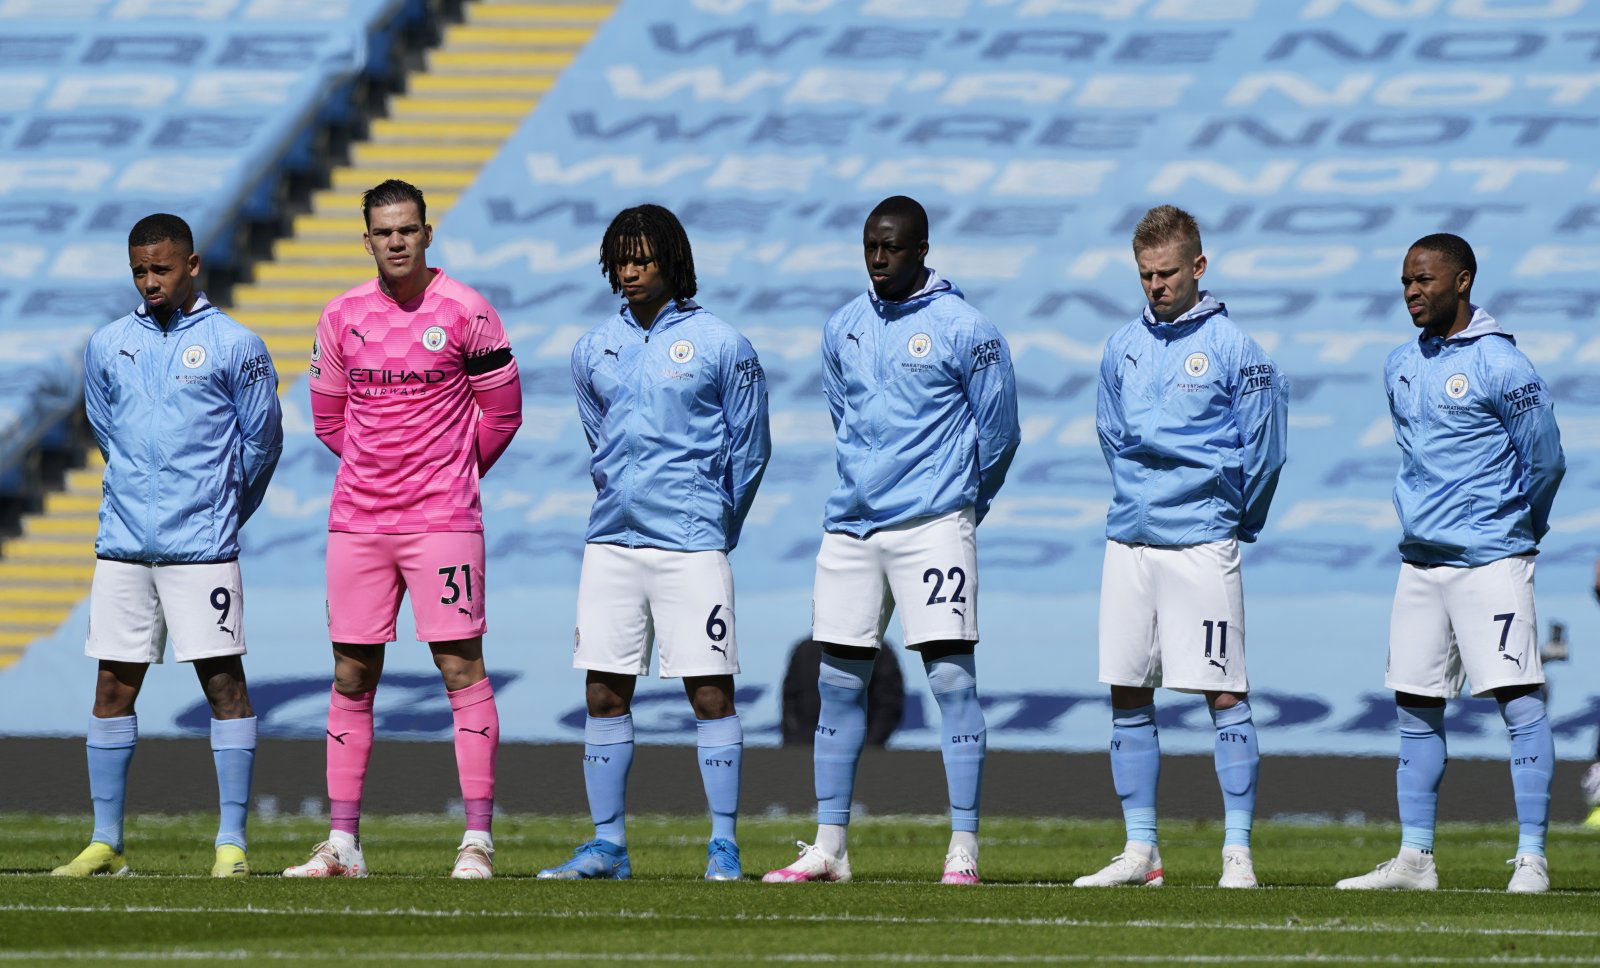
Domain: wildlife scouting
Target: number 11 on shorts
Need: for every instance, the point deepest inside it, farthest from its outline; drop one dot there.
(1220, 631)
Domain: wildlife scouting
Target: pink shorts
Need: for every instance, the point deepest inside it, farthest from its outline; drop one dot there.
(367, 574)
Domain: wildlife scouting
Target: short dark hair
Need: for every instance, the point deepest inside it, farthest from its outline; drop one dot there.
(627, 235)
(1452, 247)
(906, 207)
(1164, 225)
(392, 192)
(161, 227)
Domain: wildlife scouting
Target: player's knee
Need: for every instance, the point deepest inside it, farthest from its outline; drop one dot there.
(113, 696)
(353, 680)
(1131, 697)
(605, 702)
(711, 697)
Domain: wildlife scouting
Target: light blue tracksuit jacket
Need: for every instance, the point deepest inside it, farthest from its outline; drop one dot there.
(676, 417)
(1194, 426)
(187, 418)
(1480, 452)
(924, 405)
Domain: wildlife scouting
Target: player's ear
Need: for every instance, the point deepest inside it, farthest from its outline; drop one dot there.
(427, 235)
(922, 250)
(193, 263)
(1199, 265)
(366, 243)
(1463, 282)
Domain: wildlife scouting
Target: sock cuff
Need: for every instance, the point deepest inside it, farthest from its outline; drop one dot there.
(952, 673)
(361, 702)
(719, 732)
(845, 673)
(1236, 715)
(608, 730)
(117, 732)
(480, 691)
(1133, 718)
(1523, 710)
(1420, 719)
(233, 734)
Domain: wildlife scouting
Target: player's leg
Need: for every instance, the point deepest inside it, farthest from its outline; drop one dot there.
(692, 611)
(1492, 610)
(203, 605)
(127, 632)
(364, 591)
(932, 571)
(612, 644)
(1130, 663)
(233, 753)
(1200, 604)
(850, 605)
(1424, 670)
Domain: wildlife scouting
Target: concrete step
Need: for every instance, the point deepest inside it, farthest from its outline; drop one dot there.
(58, 526)
(538, 13)
(311, 299)
(497, 37)
(62, 502)
(390, 131)
(408, 108)
(486, 84)
(501, 61)
(346, 274)
(469, 157)
(32, 594)
(426, 178)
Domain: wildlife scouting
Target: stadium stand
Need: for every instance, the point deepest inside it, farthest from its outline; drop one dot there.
(1313, 147)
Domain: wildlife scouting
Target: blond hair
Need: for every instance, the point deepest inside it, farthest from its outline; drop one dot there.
(1164, 225)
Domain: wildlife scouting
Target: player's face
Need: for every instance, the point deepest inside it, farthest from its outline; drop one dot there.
(1170, 275)
(894, 256)
(643, 283)
(164, 274)
(1433, 288)
(398, 240)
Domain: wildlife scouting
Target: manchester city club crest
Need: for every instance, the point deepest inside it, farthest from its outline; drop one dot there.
(681, 352)
(193, 356)
(316, 350)
(1197, 364)
(920, 345)
(1457, 386)
(433, 339)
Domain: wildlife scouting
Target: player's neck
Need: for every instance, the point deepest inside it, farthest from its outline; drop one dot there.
(405, 289)
(1456, 326)
(164, 314)
(646, 314)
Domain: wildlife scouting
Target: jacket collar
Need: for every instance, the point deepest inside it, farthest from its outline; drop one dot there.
(935, 287)
(1482, 324)
(672, 313)
(1203, 310)
(179, 319)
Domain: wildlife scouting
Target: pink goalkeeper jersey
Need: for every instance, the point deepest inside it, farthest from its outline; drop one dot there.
(409, 462)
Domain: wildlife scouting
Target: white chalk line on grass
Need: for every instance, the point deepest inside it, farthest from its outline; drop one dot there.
(1301, 927)
(785, 958)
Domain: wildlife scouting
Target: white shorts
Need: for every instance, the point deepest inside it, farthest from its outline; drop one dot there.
(929, 568)
(630, 597)
(132, 608)
(1454, 624)
(1173, 616)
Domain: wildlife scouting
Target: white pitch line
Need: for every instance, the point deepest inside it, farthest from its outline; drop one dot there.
(1330, 927)
(808, 958)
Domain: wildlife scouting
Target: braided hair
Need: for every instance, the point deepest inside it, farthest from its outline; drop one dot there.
(627, 236)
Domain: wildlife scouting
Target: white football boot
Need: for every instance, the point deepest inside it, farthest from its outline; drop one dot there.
(811, 865)
(1238, 869)
(1396, 874)
(474, 860)
(1138, 864)
(1531, 874)
(331, 860)
(960, 867)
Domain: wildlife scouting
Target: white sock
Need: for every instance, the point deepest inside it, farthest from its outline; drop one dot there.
(1415, 857)
(832, 838)
(1139, 849)
(343, 839)
(964, 840)
(481, 836)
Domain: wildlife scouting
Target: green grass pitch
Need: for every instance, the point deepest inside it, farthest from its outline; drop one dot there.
(894, 913)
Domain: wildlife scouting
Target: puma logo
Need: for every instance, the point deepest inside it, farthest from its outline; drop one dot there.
(852, 336)
(718, 648)
(1407, 381)
(610, 352)
(484, 732)
(1219, 665)
(358, 334)
(464, 612)
(1512, 658)
(1131, 359)
(224, 628)
(134, 356)
(338, 737)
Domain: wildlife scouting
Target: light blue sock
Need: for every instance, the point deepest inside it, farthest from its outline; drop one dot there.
(841, 733)
(1533, 764)
(1136, 769)
(962, 736)
(1416, 779)
(111, 743)
(721, 748)
(1238, 762)
(233, 750)
(607, 755)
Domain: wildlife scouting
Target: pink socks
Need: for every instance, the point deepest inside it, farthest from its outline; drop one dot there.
(349, 749)
(477, 724)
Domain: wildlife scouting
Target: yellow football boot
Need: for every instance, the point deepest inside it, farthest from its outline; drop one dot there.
(1593, 823)
(97, 858)
(230, 862)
